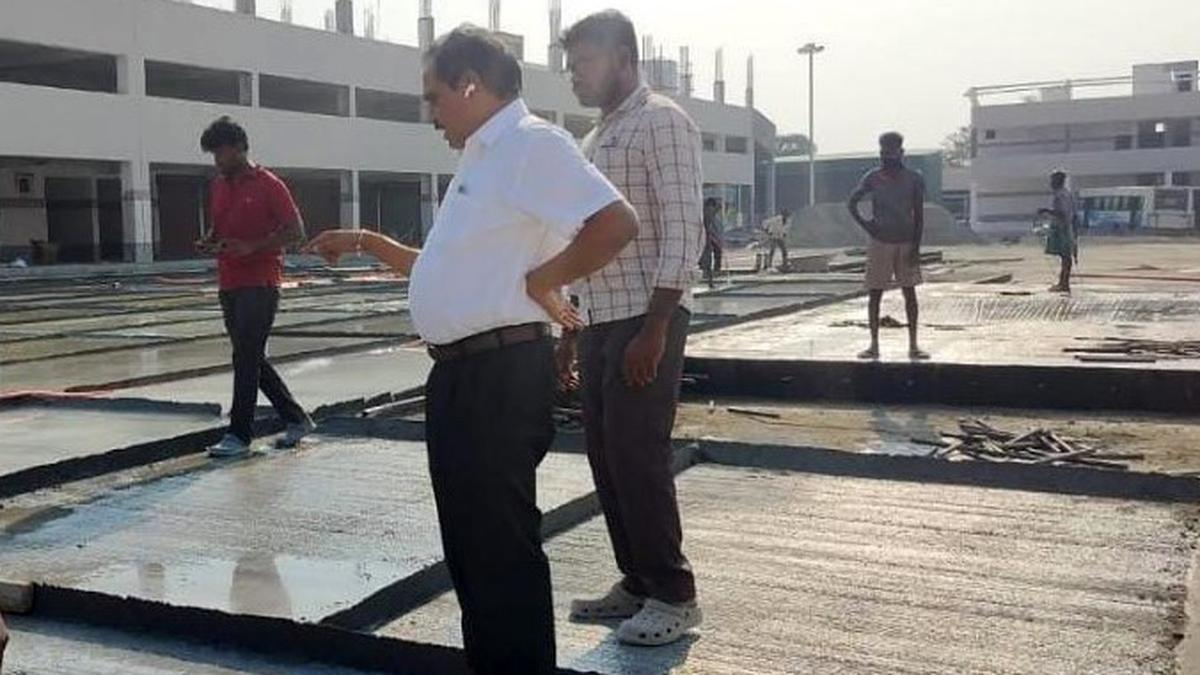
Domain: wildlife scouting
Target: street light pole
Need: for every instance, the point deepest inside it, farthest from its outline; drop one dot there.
(811, 50)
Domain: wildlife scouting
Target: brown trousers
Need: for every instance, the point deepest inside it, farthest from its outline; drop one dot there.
(629, 448)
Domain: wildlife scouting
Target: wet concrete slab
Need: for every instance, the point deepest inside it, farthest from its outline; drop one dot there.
(355, 302)
(74, 371)
(297, 535)
(109, 322)
(972, 324)
(44, 433)
(315, 382)
(799, 287)
(398, 324)
(50, 347)
(216, 326)
(803, 573)
(740, 306)
(40, 647)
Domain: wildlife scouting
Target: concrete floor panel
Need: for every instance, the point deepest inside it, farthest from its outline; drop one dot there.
(314, 382)
(42, 434)
(813, 574)
(971, 324)
(66, 372)
(297, 534)
(49, 648)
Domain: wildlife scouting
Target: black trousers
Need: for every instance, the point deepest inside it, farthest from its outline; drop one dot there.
(628, 434)
(488, 426)
(249, 314)
(777, 243)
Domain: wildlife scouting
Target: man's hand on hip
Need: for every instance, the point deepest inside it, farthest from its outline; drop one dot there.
(548, 295)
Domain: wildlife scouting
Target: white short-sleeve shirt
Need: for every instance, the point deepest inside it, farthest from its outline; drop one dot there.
(521, 192)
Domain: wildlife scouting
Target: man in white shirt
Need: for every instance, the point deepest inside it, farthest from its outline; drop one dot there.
(524, 215)
(777, 231)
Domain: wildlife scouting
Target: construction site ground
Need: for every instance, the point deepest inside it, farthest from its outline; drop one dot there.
(824, 536)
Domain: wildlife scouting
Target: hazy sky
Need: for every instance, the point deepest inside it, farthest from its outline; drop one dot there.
(898, 63)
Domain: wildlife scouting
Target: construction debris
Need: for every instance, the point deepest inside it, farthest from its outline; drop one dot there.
(978, 440)
(887, 321)
(1140, 348)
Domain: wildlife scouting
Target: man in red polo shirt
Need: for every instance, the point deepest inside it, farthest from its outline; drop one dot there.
(253, 219)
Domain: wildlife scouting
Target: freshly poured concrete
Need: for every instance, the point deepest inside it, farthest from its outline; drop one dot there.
(314, 382)
(96, 369)
(390, 324)
(50, 347)
(972, 324)
(296, 534)
(216, 326)
(113, 322)
(39, 434)
(48, 648)
(814, 574)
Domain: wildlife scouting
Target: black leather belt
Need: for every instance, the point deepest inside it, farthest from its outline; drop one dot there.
(489, 341)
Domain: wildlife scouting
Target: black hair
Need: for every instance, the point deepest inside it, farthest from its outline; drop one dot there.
(891, 139)
(470, 48)
(1058, 176)
(224, 132)
(609, 28)
(712, 202)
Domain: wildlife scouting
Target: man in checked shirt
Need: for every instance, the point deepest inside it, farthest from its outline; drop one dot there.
(637, 310)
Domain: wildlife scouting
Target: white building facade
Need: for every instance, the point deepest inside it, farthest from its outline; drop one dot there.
(103, 103)
(1137, 130)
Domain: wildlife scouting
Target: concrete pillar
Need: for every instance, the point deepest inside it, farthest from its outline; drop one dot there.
(131, 75)
(94, 197)
(429, 203)
(137, 210)
(351, 106)
(247, 7)
(351, 203)
(248, 89)
(344, 16)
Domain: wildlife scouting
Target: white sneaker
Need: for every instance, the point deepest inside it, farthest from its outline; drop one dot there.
(618, 603)
(230, 446)
(295, 432)
(659, 624)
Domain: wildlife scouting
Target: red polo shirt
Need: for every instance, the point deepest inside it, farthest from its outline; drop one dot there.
(251, 206)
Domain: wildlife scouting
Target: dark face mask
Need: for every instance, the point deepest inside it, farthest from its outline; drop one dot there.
(893, 163)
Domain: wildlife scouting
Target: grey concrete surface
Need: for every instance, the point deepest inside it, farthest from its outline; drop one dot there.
(113, 322)
(314, 382)
(288, 534)
(41, 434)
(972, 324)
(48, 648)
(65, 372)
(811, 574)
(391, 324)
(51, 347)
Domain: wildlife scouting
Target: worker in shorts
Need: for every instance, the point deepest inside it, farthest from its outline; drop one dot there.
(1061, 239)
(896, 225)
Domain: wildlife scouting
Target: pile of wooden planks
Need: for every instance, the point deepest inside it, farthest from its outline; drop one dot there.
(1135, 347)
(978, 440)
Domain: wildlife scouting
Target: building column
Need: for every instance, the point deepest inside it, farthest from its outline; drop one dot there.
(351, 203)
(429, 203)
(131, 75)
(94, 198)
(137, 211)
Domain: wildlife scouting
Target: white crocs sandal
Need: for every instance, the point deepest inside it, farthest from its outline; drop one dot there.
(618, 603)
(659, 624)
